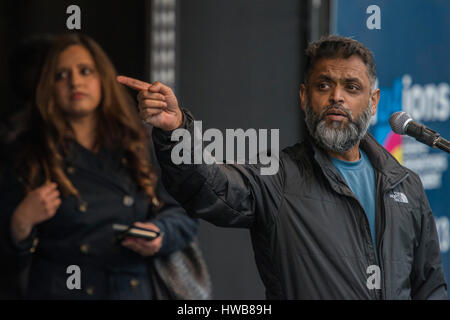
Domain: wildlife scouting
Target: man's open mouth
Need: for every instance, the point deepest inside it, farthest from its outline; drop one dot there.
(336, 112)
(336, 115)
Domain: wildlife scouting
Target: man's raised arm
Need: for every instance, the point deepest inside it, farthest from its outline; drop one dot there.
(226, 195)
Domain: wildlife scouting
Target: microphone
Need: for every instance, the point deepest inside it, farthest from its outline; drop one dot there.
(402, 123)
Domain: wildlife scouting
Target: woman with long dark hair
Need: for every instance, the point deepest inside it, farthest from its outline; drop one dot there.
(84, 165)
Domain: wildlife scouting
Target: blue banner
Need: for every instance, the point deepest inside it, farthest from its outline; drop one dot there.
(411, 44)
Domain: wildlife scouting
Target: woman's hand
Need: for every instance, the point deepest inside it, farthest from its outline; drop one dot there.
(39, 205)
(158, 104)
(144, 247)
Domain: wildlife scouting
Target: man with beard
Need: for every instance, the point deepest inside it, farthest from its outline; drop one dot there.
(341, 219)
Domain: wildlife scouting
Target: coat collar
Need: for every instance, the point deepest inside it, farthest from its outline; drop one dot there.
(382, 161)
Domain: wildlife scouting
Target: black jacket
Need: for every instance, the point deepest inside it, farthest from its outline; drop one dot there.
(310, 234)
(81, 233)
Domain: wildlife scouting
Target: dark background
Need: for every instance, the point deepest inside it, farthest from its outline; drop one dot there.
(239, 65)
(240, 68)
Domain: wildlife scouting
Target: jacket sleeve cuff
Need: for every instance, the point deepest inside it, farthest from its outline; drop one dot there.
(18, 248)
(164, 137)
(164, 247)
(23, 246)
(177, 230)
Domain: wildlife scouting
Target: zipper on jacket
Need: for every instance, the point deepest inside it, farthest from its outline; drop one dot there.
(366, 231)
(376, 295)
(348, 193)
(380, 248)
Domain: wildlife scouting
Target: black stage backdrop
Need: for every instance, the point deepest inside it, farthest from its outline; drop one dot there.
(240, 67)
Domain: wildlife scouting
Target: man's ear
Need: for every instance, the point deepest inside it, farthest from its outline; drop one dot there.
(375, 99)
(303, 93)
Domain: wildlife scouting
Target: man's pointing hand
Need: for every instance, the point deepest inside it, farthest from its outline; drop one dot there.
(158, 104)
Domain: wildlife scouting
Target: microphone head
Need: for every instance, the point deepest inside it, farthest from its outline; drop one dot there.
(399, 122)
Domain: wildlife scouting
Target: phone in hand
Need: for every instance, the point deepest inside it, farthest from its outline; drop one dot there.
(123, 231)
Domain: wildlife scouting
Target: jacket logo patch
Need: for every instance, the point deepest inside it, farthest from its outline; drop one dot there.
(398, 196)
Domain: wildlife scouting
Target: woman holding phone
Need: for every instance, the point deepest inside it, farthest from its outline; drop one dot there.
(85, 165)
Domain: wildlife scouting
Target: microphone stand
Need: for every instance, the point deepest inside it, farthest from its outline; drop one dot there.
(428, 137)
(442, 144)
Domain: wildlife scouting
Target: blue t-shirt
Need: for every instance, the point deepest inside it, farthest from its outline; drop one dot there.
(360, 178)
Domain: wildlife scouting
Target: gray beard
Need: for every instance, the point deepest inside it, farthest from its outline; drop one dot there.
(335, 138)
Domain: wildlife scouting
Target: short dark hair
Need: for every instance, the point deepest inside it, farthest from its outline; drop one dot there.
(339, 47)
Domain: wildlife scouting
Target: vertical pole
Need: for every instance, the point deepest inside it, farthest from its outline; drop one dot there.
(163, 42)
